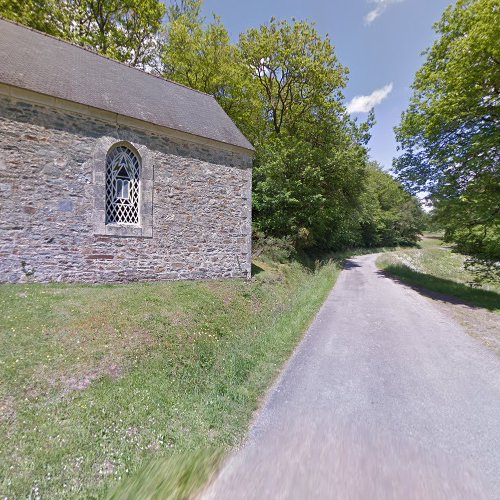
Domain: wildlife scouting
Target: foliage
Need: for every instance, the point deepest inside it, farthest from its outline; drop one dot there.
(296, 72)
(125, 30)
(200, 55)
(308, 190)
(43, 15)
(431, 223)
(267, 248)
(310, 156)
(195, 55)
(450, 132)
(390, 216)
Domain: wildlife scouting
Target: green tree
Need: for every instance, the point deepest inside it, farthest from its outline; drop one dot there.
(125, 30)
(307, 186)
(282, 86)
(310, 156)
(200, 55)
(42, 15)
(295, 70)
(389, 216)
(196, 54)
(450, 132)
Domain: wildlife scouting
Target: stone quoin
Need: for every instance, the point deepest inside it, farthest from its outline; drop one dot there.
(110, 174)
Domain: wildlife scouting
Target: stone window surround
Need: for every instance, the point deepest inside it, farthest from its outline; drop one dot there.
(145, 227)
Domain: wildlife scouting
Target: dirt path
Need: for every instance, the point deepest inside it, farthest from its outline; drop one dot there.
(386, 397)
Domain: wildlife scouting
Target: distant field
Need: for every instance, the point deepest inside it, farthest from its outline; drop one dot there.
(96, 381)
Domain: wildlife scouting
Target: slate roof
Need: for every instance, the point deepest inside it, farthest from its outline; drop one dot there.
(41, 63)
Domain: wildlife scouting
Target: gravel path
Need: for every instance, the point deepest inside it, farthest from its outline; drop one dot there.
(385, 398)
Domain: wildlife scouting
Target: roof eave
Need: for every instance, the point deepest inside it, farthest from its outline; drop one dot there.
(112, 117)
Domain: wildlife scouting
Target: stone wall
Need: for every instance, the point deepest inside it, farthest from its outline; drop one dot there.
(49, 192)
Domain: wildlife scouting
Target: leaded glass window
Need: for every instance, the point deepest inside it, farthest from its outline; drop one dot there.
(122, 186)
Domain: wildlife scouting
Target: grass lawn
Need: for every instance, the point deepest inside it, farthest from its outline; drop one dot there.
(112, 390)
(435, 267)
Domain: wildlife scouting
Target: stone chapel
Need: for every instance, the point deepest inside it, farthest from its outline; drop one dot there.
(110, 174)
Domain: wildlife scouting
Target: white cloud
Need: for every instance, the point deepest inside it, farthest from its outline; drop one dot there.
(380, 6)
(363, 103)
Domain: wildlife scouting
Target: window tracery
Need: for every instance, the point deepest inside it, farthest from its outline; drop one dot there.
(122, 186)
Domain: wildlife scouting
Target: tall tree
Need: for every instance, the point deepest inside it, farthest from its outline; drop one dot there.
(450, 133)
(310, 156)
(194, 51)
(199, 54)
(389, 215)
(125, 30)
(307, 186)
(295, 69)
(42, 15)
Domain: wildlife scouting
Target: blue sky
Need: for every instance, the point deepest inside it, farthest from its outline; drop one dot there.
(379, 40)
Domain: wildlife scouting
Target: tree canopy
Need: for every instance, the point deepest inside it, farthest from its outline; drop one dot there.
(450, 132)
(125, 30)
(390, 216)
(295, 69)
(311, 156)
(200, 55)
(195, 53)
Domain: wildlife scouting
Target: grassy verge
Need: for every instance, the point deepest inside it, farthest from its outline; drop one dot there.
(435, 268)
(112, 390)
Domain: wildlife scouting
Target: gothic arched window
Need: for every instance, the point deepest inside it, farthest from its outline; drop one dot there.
(122, 186)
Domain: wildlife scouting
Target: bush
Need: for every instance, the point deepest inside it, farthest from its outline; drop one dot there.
(273, 249)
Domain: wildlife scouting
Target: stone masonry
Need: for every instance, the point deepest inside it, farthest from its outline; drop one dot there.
(195, 202)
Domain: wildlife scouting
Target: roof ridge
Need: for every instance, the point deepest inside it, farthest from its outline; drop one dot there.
(87, 49)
